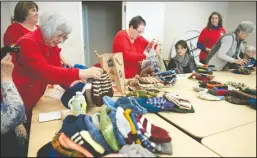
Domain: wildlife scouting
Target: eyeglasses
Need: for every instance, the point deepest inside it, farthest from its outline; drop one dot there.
(139, 32)
(63, 36)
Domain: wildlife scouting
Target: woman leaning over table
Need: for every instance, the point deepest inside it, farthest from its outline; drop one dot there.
(38, 62)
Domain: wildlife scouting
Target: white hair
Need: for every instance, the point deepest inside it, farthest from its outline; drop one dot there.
(52, 22)
(250, 48)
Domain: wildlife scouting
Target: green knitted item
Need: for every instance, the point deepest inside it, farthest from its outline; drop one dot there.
(142, 94)
(107, 129)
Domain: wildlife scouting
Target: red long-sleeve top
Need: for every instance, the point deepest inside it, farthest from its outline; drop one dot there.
(37, 65)
(208, 38)
(133, 53)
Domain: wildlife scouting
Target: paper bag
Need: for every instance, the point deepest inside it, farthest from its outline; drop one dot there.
(113, 64)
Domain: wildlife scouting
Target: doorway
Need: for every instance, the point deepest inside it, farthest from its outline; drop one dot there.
(101, 22)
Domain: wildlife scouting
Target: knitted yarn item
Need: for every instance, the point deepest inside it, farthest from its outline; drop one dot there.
(242, 70)
(149, 71)
(242, 95)
(235, 100)
(206, 96)
(201, 77)
(141, 93)
(101, 87)
(148, 80)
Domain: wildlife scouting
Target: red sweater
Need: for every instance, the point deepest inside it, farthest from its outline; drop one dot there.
(133, 53)
(208, 38)
(36, 66)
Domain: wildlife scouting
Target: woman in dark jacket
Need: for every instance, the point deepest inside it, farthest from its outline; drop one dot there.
(183, 62)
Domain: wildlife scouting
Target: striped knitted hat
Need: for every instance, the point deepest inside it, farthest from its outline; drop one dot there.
(101, 87)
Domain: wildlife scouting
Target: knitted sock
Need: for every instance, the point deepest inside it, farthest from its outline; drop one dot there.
(109, 102)
(116, 132)
(219, 92)
(147, 71)
(125, 103)
(96, 120)
(86, 136)
(107, 129)
(63, 151)
(123, 125)
(96, 134)
(101, 87)
(160, 102)
(252, 103)
(136, 150)
(205, 96)
(133, 129)
(143, 140)
(149, 107)
(66, 142)
(234, 100)
(179, 101)
(72, 127)
(152, 132)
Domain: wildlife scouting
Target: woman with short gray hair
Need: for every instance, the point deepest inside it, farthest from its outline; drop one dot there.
(228, 48)
(38, 63)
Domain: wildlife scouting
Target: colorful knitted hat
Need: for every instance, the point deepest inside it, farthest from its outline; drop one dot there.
(70, 92)
(242, 70)
(101, 87)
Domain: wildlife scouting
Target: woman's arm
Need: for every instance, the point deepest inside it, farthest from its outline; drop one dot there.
(12, 107)
(201, 38)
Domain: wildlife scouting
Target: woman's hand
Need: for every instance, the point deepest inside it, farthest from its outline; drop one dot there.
(241, 61)
(93, 72)
(6, 68)
(208, 50)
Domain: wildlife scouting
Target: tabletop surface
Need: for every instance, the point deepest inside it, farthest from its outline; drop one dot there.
(211, 117)
(236, 142)
(42, 133)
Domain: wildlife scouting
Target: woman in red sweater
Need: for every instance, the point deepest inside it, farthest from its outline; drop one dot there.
(132, 45)
(38, 63)
(209, 35)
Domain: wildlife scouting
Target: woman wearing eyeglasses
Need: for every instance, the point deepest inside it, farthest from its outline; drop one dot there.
(38, 62)
(26, 18)
(132, 45)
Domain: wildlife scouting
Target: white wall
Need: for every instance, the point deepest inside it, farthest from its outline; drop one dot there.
(242, 11)
(182, 16)
(73, 48)
(153, 13)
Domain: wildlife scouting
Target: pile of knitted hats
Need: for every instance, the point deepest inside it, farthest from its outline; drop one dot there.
(168, 77)
(203, 73)
(100, 88)
(109, 132)
(235, 93)
(241, 94)
(242, 70)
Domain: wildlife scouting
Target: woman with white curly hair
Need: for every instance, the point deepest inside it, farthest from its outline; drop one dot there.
(38, 63)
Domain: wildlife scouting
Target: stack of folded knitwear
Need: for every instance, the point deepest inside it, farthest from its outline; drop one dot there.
(242, 70)
(203, 73)
(168, 77)
(112, 133)
(161, 102)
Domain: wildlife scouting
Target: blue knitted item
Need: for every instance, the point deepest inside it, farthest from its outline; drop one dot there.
(149, 107)
(145, 142)
(69, 126)
(161, 103)
(252, 103)
(109, 102)
(79, 66)
(70, 92)
(96, 134)
(116, 132)
(80, 123)
(134, 102)
(166, 73)
(126, 103)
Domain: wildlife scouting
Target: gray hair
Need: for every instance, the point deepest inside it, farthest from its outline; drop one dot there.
(246, 26)
(52, 22)
(250, 48)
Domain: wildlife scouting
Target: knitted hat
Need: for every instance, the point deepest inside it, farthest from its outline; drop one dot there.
(235, 100)
(242, 70)
(141, 93)
(161, 103)
(246, 26)
(116, 132)
(96, 120)
(96, 134)
(136, 150)
(147, 71)
(127, 103)
(70, 92)
(242, 95)
(107, 129)
(206, 96)
(219, 92)
(101, 87)
(133, 129)
(109, 102)
(123, 125)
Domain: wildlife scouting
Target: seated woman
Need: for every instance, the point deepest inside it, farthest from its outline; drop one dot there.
(183, 62)
(132, 45)
(38, 63)
(13, 134)
(249, 55)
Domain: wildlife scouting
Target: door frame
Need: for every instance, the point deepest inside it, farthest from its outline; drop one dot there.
(86, 34)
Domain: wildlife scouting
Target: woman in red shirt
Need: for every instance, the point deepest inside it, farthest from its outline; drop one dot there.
(132, 45)
(38, 63)
(210, 35)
